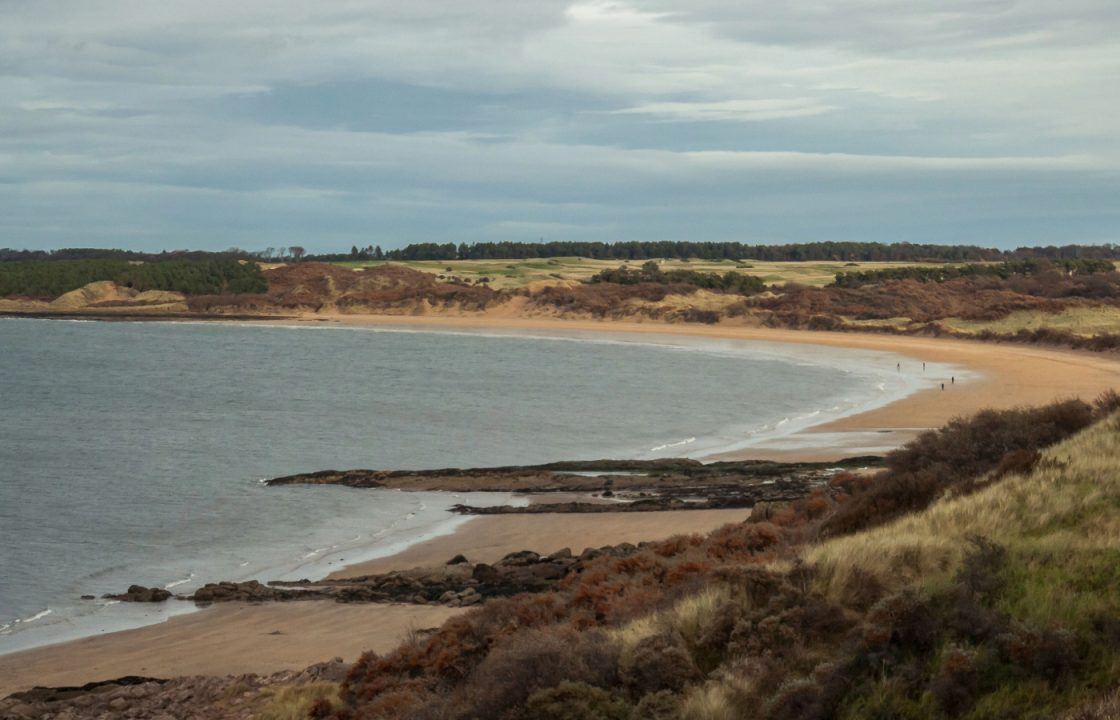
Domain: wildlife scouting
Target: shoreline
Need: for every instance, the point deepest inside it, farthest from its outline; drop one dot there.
(1005, 375)
(237, 638)
(999, 375)
(115, 616)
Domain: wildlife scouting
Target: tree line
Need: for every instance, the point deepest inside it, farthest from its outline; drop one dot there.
(1004, 270)
(815, 251)
(633, 250)
(210, 276)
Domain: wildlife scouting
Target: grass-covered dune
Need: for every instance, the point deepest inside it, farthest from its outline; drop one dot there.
(975, 577)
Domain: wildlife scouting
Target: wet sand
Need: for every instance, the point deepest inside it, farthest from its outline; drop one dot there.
(236, 638)
(228, 639)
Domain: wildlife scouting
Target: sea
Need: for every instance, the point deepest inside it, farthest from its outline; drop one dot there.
(135, 452)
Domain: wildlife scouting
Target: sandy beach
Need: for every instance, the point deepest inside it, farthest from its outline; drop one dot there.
(266, 638)
(242, 638)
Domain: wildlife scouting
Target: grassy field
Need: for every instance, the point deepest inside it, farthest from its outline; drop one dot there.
(510, 274)
(1079, 321)
(517, 273)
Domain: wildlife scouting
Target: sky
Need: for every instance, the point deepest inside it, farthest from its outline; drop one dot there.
(211, 124)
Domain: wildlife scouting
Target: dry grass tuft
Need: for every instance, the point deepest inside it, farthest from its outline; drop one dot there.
(1067, 505)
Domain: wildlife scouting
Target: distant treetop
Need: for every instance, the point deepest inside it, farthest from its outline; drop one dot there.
(635, 250)
(817, 251)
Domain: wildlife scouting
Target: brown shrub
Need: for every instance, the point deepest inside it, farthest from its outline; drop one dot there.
(661, 705)
(658, 662)
(956, 683)
(903, 622)
(1050, 654)
(795, 700)
(524, 663)
(575, 701)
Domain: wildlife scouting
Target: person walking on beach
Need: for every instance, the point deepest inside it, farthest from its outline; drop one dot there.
(953, 380)
(923, 367)
(898, 367)
(942, 387)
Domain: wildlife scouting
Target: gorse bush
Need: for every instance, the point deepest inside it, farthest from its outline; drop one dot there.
(651, 272)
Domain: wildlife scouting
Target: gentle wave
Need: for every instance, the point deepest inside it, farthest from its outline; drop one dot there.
(177, 583)
(666, 446)
(8, 627)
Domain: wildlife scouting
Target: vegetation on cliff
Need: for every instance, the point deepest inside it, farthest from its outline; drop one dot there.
(988, 597)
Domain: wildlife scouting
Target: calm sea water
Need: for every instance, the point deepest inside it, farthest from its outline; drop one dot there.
(132, 452)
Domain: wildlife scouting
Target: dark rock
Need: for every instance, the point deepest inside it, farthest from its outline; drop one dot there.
(252, 591)
(139, 593)
(457, 560)
(521, 557)
(563, 554)
(484, 573)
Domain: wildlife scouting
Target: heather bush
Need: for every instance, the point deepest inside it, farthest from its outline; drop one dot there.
(955, 685)
(658, 662)
(798, 699)
(575, 701)
(660, 705)
(524, 663)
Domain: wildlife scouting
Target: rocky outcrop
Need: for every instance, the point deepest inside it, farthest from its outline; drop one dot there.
(139, 593)
(460, 584)
(183, 698)
(680, 479)
(250, 591)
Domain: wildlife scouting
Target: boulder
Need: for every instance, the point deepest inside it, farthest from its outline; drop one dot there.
(139, 593)
(522, 557)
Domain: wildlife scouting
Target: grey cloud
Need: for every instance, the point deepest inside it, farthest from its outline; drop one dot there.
(219, 123)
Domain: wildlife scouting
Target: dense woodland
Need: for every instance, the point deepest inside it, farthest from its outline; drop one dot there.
(47, 279)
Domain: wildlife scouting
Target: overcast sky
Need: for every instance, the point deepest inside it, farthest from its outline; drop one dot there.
(208, 124)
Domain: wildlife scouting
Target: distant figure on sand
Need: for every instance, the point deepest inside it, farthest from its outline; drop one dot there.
(898, 366)
(923, 367)
(953, 380)
(943, 386)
